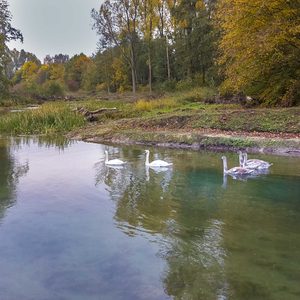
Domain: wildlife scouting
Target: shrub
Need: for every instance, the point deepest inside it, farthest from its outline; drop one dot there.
(53, 88)
(184, 84)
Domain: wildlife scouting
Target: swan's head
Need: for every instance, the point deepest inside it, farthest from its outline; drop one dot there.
(105, 152)
(240, 152)
(147, 151)
(223, 157)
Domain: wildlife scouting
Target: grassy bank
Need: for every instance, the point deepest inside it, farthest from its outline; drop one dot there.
(179, 120)
(50, 118)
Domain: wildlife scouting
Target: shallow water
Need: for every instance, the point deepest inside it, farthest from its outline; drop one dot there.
(71, 228)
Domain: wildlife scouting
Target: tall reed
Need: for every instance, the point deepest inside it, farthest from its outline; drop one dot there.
(50, 118)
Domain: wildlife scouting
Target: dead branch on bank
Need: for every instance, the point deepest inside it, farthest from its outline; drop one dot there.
(92, 115)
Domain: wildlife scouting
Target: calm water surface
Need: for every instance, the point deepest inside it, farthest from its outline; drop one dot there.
(71, 228)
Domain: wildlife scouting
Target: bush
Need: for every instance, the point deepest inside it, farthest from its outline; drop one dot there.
(53, 88)
(185, 84)
(101, 87)
(292, 96)
(169, 85)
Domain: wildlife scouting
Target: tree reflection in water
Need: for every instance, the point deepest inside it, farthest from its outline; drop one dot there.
(178, 212)
(10, 172)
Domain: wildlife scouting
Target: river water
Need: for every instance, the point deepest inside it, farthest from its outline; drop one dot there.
(72, 228)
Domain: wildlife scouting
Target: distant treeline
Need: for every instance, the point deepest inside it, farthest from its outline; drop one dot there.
(240, 46)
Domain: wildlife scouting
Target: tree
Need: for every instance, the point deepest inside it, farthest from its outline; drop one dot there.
(7, 33)
(260, 48)
(194, 38)
(148, 23)
(16, 59)
(116, 25)
(29, 70)
(74, 71)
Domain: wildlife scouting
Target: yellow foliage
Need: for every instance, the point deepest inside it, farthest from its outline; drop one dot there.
(120, 78)
(259, 44)
(200, 5)
(28, 70)
(57, 71)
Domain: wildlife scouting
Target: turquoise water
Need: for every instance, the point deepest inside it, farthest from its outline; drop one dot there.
(72, 228)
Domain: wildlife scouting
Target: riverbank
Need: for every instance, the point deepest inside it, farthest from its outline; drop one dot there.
(198, 139)
(184, 120)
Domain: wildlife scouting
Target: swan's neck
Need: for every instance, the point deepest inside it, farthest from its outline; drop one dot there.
(241, 159)
(147, 158)
(245, 158)
(106, 157)
(225, 165)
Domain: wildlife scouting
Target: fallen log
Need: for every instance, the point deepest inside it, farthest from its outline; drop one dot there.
(92, 115)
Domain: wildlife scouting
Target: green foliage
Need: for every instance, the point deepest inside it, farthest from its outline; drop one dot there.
(75, 69)
(53, 88)
(185, 84)
(7, 33)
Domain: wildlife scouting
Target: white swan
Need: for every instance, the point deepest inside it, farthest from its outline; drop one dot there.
(156, 163)
(235, 170)
(255, 163)
(113, 162)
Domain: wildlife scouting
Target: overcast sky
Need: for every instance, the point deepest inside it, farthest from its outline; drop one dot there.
(55, 26)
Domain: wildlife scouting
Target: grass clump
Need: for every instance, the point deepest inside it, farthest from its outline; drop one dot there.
(149, 105)
(50, 118)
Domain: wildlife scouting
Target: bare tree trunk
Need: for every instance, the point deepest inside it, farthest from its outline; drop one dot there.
(133, 71)
(150, 70)
(168, 60)
(203, 74)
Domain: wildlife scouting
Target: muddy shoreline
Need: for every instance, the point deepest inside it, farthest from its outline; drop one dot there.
(190, 141)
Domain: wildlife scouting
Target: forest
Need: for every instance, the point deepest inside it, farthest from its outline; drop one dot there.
(234, 47)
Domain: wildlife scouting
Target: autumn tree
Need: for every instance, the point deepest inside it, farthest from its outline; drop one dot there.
(74, 71)
(29, 70)
(260, 48)
(117, 23)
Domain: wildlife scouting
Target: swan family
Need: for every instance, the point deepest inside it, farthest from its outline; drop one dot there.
(246, 167)
(154, 164)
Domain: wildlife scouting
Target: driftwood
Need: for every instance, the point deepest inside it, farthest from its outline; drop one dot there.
(92, 115)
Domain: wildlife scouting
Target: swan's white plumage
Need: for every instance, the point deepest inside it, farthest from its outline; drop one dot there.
(156, 163)
(257, 164)
(113, 162)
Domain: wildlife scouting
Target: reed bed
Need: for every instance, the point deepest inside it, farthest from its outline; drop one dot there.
(50, 118)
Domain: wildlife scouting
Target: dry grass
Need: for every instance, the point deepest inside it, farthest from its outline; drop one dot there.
(149, 105)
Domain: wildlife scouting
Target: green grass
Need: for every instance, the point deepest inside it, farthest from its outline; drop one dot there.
(49, 119)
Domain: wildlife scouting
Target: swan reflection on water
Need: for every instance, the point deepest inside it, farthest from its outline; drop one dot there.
(246, 177)
(166, 174)
(157, 170)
